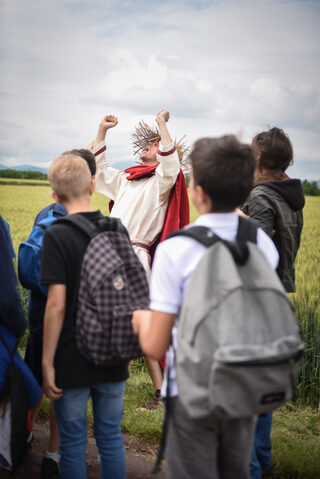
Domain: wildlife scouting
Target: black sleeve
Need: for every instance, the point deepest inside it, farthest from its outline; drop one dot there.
(53, 266)
(11, 312)
(259, 208)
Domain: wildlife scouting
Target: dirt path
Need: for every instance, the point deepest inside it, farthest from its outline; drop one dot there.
(140, 459)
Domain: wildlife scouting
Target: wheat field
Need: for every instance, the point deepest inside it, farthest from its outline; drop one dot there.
(19, 204)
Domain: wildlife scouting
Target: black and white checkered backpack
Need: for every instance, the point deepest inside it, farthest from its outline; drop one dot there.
(113, 284)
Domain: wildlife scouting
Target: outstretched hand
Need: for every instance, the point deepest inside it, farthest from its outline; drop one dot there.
(162, 116)
(108, 121)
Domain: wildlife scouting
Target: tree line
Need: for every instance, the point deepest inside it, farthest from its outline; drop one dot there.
(310, 188)
(26, 175)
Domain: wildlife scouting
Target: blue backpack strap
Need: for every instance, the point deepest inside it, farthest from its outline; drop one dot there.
(56, 211)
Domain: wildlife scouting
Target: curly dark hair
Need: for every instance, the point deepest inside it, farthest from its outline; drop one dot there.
(273, 149)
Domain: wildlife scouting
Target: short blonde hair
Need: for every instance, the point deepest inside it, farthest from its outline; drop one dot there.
(69, 177)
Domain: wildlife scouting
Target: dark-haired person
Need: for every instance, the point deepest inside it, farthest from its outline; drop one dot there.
(33, 355)
(222, 176)
(276, 204)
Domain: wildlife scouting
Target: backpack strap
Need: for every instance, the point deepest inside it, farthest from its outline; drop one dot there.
(11, 353)
(199, 233)
(106, 223)
(56, 212)
(247, 230)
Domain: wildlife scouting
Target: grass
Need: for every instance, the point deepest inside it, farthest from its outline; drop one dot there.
(23, 181)
(296, 427)
(296, 443)
(143, 425)
(307, 304)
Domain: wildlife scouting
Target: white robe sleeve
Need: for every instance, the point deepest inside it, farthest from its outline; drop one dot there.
(168, 169)
(108, 179)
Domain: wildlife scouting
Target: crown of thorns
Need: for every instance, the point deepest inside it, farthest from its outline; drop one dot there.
(144, 134)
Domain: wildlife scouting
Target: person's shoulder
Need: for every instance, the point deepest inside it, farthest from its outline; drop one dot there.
(65, 227)
(259, 190)
(263, 190)
(57, 209)
(263, 195)
(59, 231)
(177, 248)
(43, 213)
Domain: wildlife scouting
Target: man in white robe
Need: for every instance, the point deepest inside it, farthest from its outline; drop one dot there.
(141, 205)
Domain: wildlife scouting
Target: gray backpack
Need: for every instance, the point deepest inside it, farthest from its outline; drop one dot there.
(113, 284)
(238, 342)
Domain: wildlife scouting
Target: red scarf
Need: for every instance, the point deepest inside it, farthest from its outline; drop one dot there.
(141, 171)
(178, 212)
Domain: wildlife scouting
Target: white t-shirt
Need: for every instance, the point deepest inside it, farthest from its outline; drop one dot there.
(175, 260)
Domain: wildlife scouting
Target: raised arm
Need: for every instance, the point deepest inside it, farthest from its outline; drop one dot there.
(169, 166)
(161, 119)
(108, 179)
(107, 122)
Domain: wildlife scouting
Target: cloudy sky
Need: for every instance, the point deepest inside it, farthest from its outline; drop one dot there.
(219, 66)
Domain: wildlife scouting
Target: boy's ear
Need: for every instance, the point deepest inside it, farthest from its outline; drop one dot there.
(54, 196)
(202, 195)
(204, 200)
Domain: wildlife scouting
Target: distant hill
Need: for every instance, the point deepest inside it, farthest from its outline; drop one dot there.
(121, 165)
(24, 168)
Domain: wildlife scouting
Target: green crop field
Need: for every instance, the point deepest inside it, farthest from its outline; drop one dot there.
(20, 204)
(296, 427)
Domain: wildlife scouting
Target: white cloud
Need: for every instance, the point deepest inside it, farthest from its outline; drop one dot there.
(231, 66)
(129, 74)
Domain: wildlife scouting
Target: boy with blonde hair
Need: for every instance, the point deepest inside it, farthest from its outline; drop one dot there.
(222, 177)
(68, 377)
(36, 308)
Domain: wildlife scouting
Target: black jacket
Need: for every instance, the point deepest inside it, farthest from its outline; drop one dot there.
(276, 206)
(11, 312)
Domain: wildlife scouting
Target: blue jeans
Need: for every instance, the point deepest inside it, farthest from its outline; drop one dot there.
(71, 412)
(261, 453)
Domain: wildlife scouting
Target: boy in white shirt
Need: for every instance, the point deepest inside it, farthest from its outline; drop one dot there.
(222, 177)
